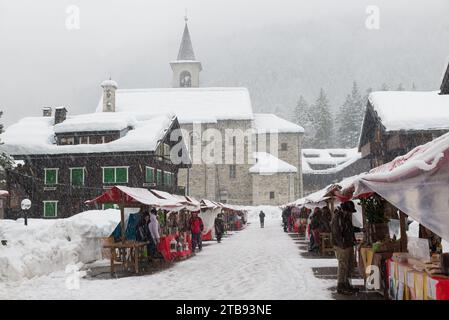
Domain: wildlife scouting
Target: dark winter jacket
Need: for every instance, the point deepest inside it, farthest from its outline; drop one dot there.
(343, 230)
(262, 216)
(219, 225)
(142, 232)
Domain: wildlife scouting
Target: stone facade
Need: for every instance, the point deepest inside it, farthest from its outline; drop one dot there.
(276, 189)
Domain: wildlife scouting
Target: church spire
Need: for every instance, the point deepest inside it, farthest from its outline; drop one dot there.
(186, 69)
(186, 48)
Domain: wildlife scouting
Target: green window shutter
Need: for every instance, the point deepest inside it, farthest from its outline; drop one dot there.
(50, 209)
(77, 176)
(51, 176)
(121, 175)
(149, 175)
(159, 177)
(108, 175)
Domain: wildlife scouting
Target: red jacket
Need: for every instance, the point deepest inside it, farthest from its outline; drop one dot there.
(196, 225)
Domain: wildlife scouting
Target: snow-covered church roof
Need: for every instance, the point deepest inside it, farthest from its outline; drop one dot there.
(206, 105)
(266, 163)
(327, 161)
(36, 135)
(268, 122)
(411, 110)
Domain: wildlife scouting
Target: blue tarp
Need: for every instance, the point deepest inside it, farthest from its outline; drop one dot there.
(130, 231)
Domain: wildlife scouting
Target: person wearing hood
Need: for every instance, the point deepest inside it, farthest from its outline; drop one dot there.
(262, 218)
(343, 240)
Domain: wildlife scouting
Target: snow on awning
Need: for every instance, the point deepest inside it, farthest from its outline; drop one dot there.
(134, 196)
(4, 193)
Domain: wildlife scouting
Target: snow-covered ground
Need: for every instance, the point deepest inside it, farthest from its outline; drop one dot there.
(254, 263)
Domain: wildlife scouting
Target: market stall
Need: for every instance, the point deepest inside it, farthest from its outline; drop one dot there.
(208, 213)
(124, 248)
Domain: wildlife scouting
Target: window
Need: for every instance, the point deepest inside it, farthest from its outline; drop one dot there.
(95, 140)
(77, 176)
(271, 195)
(232, 171)
(168, 178)
(284, 146)
(51, 176)
(67, 141)
(185, 79)
(115, 175)
(166, 150)
(149, 175)
(84, 140)
(159, 177)
(109, 206)
(50, 209)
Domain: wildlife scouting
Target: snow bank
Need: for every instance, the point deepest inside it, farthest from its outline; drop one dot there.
(45, 246)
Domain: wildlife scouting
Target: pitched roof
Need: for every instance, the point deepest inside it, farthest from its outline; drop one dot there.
(269, 164)
(411, 110)
(267, 122)
(35, 135)
(206, 105)
(186, 48)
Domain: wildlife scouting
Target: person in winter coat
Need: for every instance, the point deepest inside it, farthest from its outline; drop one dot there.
(262, 218)
(143, 234)
(343, 240)
(315, 224)
(285, 215)
(154, 228)
(219, 227)
(196, 227)
(326, 217)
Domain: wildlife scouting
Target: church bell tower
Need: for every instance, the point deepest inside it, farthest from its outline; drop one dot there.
(186, 69)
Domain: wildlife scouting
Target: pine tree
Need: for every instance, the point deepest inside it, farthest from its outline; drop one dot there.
(322, 122)
(400, 87)
(302, 116)
(6, 161)
(385, 87)
(350, 117)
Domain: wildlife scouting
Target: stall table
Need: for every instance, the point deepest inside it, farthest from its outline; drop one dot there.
(406, 283)
(131, 259)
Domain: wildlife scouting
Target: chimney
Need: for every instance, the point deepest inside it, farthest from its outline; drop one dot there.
(60, 114)
(46, 111)
(109, 88)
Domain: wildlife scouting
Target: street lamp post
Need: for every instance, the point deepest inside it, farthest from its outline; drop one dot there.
(26, 205)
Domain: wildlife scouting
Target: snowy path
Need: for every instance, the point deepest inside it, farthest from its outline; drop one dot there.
(251, 264)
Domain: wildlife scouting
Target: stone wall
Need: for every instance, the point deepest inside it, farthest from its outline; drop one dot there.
(282, 184)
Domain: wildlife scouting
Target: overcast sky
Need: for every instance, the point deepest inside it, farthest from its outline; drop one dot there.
(279, 49)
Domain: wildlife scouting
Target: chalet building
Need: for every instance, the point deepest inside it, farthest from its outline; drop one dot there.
(322, 167)
(69, 159)
(397, 122)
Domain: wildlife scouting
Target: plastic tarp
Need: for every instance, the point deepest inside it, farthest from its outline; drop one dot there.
(208, 216)
(131, 223)
(416, 183)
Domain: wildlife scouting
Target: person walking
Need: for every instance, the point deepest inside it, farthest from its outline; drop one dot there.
(262, 218)
(219, 227)
(343, 240)
(196, 228)
(154, 236)
(315, 224)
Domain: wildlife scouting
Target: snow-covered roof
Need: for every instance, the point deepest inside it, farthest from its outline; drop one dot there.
(411, 110)
(327, 161)
(268, 122)
(35, 135)
(269, 164)
(206, 105)
(106, 121)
